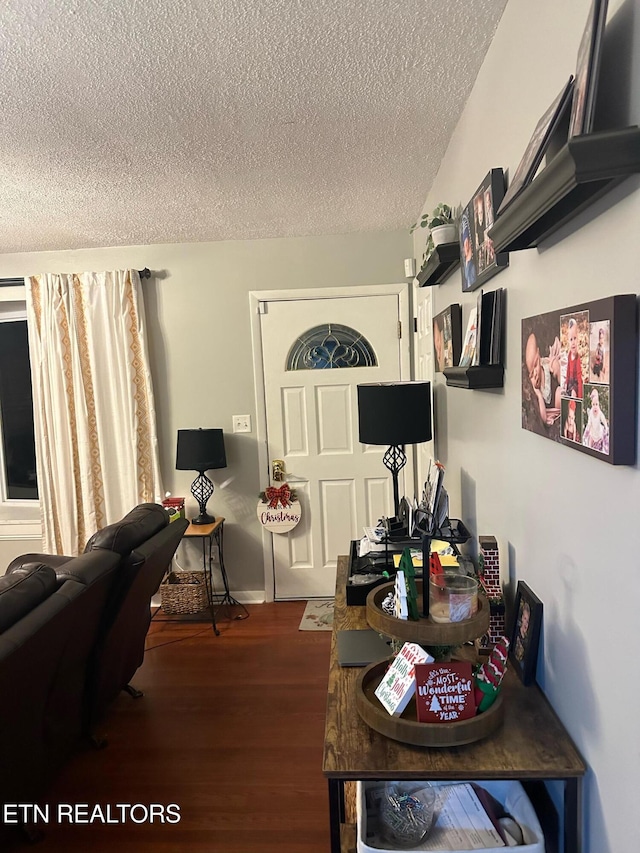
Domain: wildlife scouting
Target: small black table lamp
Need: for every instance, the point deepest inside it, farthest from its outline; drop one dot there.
(394, 413)
(201, 450)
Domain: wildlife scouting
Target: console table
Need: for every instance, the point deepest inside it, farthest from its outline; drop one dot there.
(531, 745)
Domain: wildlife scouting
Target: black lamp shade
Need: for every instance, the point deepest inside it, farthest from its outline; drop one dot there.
(394, 413)
(200, 450)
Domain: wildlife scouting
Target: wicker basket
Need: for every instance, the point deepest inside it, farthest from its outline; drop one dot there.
(183, 592)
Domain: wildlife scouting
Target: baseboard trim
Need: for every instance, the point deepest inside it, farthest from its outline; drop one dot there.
(244, 596)
(249, 596)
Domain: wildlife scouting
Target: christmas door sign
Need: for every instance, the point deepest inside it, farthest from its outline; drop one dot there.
(279, 509)
(444, 692)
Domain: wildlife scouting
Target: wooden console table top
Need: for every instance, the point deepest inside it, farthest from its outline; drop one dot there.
(532, 743)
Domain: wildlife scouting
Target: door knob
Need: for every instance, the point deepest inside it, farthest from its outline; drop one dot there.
(277, 470)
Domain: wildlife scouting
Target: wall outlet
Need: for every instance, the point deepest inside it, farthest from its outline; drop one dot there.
(241, 423)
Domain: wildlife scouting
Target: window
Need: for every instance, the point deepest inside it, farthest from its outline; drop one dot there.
(330, 346)
(17, 447)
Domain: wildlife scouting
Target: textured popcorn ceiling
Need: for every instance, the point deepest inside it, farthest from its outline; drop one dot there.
(149, 121)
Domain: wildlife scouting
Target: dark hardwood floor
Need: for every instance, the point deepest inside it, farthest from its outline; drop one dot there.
(230, 729)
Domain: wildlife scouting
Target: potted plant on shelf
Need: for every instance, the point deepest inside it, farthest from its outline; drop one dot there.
(441, 224)
(443, 228)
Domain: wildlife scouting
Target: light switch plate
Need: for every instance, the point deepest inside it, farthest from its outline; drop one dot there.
(241, 423)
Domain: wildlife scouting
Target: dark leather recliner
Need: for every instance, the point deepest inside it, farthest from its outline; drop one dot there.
(48, 630)
(145, 541)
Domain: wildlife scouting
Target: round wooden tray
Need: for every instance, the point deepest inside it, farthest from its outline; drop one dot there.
(425, 631)
(407, 729)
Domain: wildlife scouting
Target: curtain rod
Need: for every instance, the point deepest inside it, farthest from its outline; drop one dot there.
(12, 282)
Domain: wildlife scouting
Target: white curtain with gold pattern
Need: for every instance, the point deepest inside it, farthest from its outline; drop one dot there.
(94, 414)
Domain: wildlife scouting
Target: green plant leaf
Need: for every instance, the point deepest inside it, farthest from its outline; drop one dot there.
(442, 215)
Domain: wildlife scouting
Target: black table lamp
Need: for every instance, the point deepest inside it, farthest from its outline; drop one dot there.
(201, 450)
(394, 413)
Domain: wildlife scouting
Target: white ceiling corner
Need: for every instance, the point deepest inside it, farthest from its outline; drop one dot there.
(132, 122)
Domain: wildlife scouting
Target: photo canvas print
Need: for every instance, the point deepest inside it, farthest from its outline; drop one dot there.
(579, 377)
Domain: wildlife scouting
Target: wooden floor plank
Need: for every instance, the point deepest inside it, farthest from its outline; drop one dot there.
(230, 728)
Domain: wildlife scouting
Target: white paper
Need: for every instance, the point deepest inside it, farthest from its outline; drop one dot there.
(461, 823)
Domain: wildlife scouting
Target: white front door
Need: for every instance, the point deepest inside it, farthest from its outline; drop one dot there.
(315, 350)
(423, 370)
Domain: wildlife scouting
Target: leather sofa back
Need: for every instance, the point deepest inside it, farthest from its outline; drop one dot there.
(136, 527)
(24, 590)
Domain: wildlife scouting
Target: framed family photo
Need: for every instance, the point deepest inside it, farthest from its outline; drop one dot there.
(477, 257)
(447, 336)
(525, 633)
(587, 70)
(535, 150)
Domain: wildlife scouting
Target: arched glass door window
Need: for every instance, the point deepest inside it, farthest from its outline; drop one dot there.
(328, 346)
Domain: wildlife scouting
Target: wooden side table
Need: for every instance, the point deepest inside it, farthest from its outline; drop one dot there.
(210, 533)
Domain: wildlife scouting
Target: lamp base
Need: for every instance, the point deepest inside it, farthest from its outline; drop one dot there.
(202, 489)
(395, 459)
(203, 518)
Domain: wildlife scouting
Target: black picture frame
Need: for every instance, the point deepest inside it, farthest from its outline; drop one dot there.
(538, 144)
(523, 650)
(478, 260)
(447, 337)
(584, 398)
(587, 70)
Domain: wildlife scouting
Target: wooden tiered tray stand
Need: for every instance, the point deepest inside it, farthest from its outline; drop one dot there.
(425, 632)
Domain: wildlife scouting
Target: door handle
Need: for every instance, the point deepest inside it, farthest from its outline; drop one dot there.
(277, 470)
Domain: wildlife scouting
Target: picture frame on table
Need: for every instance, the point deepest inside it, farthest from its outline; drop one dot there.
(587, 71)
(478, 260)
(525, 633)
(538, 144)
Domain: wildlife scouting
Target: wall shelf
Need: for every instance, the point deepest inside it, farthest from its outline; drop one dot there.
(444, 259)
(584, 169)
(475, 376)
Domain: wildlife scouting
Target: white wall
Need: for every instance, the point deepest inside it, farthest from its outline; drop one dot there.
(15, 541)
(567, 524)
(197, 311)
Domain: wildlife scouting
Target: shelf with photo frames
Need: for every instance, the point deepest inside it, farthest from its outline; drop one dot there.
(481, 363)
(475, 376)
(443, 260)
(584, 169)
